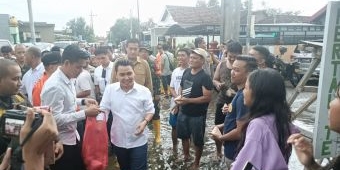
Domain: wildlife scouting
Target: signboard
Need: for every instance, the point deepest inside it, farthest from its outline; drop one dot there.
(325, 141)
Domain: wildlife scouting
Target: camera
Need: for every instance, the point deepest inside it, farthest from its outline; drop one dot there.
(12, 121)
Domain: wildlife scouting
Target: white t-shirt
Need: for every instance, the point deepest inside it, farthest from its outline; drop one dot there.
(30, 78)
(102, 82)
(175, 83)
(84, 82)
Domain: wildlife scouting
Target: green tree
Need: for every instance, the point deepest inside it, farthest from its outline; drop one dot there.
(79, 29)
(145, 26)
(123, 29)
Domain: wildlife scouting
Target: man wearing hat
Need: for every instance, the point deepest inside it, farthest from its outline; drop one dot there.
(59, 93)
(195, 95)
(146, 54)
(51, 61)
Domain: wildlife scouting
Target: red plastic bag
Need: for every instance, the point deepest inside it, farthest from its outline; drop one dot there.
(95, 147)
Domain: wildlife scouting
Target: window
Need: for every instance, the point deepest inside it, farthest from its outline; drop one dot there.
(283, 28)
(291, 28)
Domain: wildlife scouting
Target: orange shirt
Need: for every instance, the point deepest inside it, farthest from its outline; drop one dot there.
(37, 90)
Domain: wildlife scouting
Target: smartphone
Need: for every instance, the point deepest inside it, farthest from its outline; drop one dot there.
(249, 166)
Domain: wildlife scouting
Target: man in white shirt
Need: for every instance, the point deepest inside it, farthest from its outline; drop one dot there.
(84, 84)
(132, 109)
(102, 74)
(183, 56)
(37, 69)
(59, 93)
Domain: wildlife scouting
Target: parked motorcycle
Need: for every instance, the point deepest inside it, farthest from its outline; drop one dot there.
(287, 70)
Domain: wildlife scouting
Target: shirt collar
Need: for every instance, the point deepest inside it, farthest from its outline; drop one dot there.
(133, 88)
(39, 67)
(139, 60)
(63, 76)
(110, 66)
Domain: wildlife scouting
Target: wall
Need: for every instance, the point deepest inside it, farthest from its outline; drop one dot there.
(4, 27)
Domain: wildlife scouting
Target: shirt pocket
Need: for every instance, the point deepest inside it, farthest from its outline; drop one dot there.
(140, 75)
(139, 70)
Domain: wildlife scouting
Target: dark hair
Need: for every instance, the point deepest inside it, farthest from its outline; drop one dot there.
(133, 40)
(55, 48)
(35, 51)
(251, 64)
(269, 98)
(109, 48)
(198, 40)
(6, 49)
(234, 47)
(50, 58)
(44, 53)
(101, 50)
(165, 47)
(268, 58)
(4, 65)
(122, 62)
(186, 50)
(73, 54)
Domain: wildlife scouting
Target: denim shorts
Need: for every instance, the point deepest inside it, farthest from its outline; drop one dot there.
(194, 126)
(173, 119)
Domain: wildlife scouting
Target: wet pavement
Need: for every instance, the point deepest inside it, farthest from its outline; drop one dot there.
(161, 157)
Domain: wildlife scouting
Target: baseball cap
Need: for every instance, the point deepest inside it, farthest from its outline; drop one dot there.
(51, 58)
(75, 51)
(200, 52)
(145, 48)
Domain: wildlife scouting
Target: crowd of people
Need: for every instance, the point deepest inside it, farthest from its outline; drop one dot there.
(252, 117)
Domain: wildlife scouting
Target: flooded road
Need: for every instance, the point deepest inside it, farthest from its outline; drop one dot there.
(161, 157)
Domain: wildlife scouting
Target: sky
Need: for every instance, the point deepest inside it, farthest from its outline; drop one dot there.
(106, 12)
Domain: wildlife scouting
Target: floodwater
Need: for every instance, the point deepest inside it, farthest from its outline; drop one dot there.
(161, 157)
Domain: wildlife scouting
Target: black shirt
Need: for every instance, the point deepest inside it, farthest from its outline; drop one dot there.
(192, 88)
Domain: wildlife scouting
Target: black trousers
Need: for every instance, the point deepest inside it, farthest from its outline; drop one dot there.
(71, 159)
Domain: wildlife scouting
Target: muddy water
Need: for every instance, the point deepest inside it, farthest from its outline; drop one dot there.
(162, 157)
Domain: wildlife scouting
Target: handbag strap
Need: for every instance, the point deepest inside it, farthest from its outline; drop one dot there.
(168, 58)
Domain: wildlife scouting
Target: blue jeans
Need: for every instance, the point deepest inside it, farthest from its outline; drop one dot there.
(133, 158)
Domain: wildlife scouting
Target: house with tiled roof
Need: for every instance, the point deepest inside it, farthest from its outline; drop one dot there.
(177, 21)
(319, 17)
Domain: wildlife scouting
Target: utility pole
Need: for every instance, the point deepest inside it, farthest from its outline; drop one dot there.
(248, 24)
(91, 20)
(138, 29)
(29, 3)
(230, 26)
(131, 34)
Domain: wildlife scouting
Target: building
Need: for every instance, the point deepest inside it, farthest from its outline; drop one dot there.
(44, 32)
(178, 22)
(4, 27)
